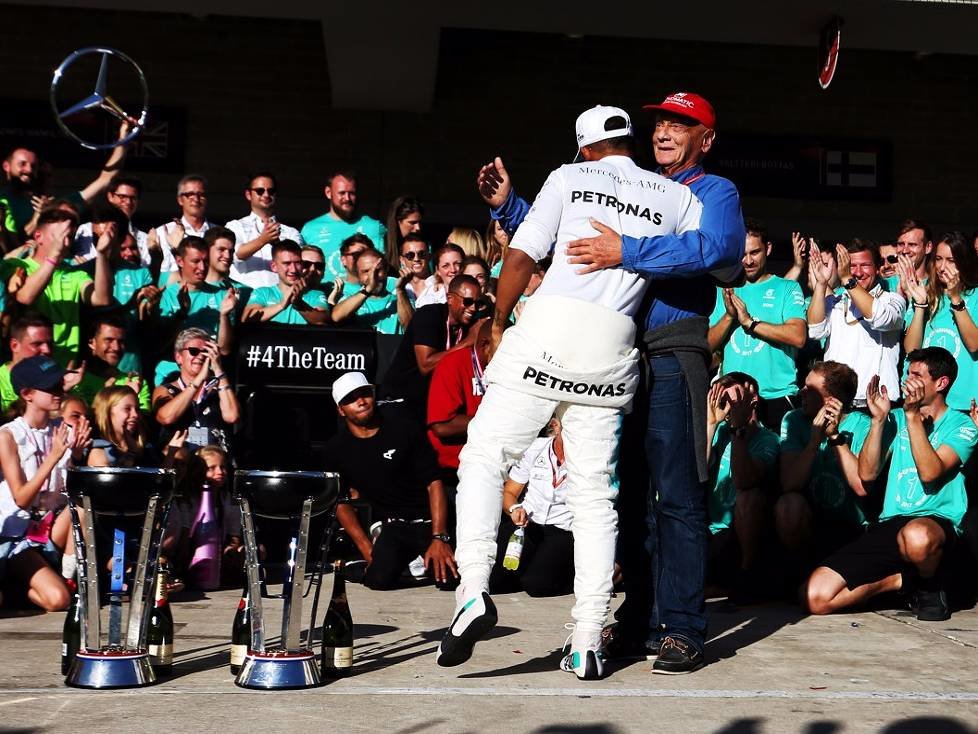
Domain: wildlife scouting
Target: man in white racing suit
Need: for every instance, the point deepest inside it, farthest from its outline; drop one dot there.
(572, 352)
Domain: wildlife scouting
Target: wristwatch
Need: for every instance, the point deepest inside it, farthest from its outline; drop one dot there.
(751, 326)
(443, 537)
(959, 306)
(850, 284)
(842, 438)
(364, 291)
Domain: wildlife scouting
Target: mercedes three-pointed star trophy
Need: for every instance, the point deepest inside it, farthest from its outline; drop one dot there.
(99, 99)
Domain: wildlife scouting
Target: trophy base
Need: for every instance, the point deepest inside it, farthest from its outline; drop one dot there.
(110, 669)
(279, 670)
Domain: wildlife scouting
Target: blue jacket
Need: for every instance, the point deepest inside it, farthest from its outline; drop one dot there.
(678, 265)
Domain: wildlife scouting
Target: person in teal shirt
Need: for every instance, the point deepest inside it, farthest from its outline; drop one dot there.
(380, 303)
(822, 505)
(340, 222)
(290, 301)
(742, 455)
(760, 327)
(925, 499)
(944, 312)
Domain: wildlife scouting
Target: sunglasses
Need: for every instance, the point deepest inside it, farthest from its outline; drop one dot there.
(313, 265)
(467, 302)
(127, 197)
(892, 259)
(193, 351)
(260, 190)
(412, 255)
(193, 194)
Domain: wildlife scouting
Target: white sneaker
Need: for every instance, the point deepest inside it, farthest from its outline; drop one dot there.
(584, 656)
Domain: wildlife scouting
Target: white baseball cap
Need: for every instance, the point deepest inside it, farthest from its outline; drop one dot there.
(592, 125)
(348, 383)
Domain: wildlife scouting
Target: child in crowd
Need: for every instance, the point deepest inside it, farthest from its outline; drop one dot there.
(34, 454)
(122, 431)
(204, 535)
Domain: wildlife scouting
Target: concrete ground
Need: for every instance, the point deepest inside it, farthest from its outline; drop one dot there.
(770, 670)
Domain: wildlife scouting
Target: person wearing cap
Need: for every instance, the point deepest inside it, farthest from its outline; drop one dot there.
(386, 462)
(681, 298)
(34, 454)
(571, 352)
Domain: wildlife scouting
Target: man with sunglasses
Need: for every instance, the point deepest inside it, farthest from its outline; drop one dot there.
(192, 200)
(328, 231)
(256, 233)
(415, 257)
(435, 331)
(381, 303)
(760, 327)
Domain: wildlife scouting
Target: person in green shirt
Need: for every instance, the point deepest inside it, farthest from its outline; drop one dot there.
(760, 326)
(31, 335)
(108, 345)
(741, 455)
(220, 255)
(944, 312)
(290, 301)
(193, 302)
(821, 507)
(381, 303)
(341, 221)
(55, 289)
(925, 499)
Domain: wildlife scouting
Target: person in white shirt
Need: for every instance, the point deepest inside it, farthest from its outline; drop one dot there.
(192, 200)
(257, 232)
(861, 322)
(546, 561)
(572, 352)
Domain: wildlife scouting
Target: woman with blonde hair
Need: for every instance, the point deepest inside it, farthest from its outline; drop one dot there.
(469, 240)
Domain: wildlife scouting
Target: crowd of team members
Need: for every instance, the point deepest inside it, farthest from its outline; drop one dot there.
(118, 337)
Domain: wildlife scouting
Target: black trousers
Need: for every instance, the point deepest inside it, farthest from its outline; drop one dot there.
(546, 563)
(399, 544)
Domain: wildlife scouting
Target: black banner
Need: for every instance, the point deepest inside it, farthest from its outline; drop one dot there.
(804, 167)
(310, 358)
(159, 148)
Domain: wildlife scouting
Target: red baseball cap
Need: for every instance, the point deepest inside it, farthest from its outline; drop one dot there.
(687, 104)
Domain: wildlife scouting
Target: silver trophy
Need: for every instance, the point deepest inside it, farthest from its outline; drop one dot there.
(100, 99)
(296, 497)
(116, 499)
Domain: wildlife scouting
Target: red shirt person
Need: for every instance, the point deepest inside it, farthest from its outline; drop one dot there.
(455, 392)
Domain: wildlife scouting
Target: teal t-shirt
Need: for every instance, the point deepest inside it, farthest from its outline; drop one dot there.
(941, 331)
(127, 279)
(377, 312)
(906, 495)
(762, 445)
(827, 486)
(205, 306)
(269, 295)
(327, 233)
(773, 300)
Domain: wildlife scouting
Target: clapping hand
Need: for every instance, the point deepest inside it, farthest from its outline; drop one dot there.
(877, 399)
(81, 440)
(229, 302)
(909, 284)
(73, 376)
(175, 234)
(105, 239)
(717, 404)
(817, 269)
(844, 262)
(913, 395)
(799, 249)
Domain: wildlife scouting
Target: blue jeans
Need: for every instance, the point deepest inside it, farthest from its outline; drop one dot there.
(677, 519)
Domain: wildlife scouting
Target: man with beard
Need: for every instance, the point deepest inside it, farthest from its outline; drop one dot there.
(341, 221)
(25, 192)
(108, 345)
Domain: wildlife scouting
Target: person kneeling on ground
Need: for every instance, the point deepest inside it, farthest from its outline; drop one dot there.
(741, 455)
(546, 562)
(387, 462)
(925, 498)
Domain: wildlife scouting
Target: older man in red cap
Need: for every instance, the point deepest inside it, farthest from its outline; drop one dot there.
(664, 612)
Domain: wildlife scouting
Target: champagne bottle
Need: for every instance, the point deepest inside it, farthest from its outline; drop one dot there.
(71, 635)
(159, 633)
(337, 650)
(514, 549)
(205, 566)
(240, 634)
